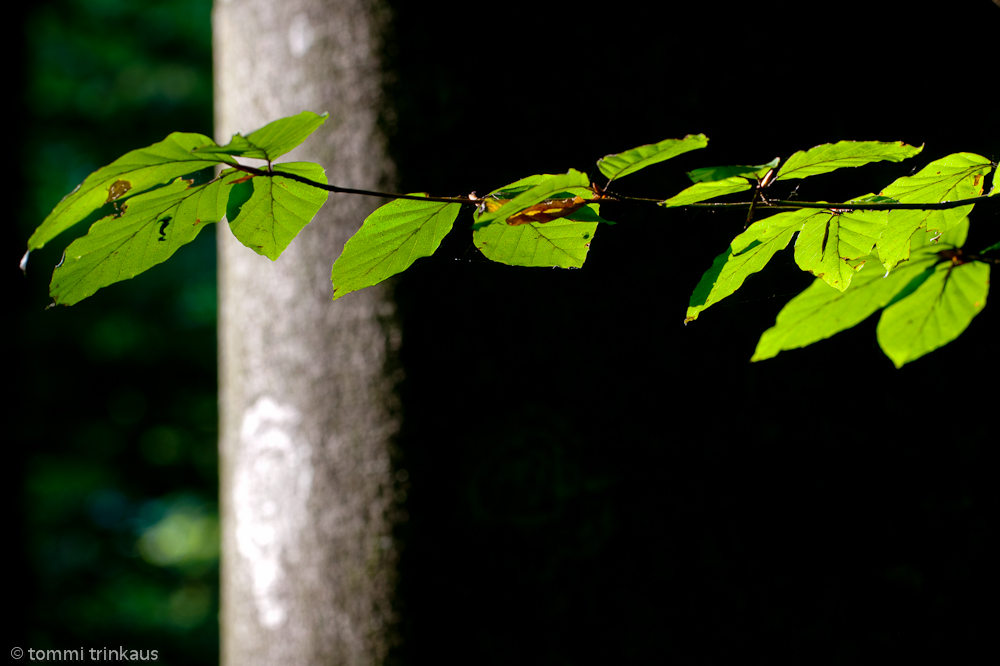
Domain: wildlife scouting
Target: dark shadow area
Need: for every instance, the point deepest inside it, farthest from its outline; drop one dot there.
(590, 481)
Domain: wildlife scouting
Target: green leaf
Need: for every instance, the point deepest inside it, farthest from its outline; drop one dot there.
(831, 156)
(544, 188)
(936, 313)
(821, 311)
(272, 140)
(702, 191)
(588, 213)
(747, 254)
(132, 173)
(279, 208)
(830, 243)
(148, 230)
(955, 177)
(709, 174)
(563, 242)
(630, 161)
(389, 241)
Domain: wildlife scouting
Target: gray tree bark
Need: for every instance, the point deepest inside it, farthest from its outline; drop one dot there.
(306, 400)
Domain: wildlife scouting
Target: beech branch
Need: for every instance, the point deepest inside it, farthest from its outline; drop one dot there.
(773, 204)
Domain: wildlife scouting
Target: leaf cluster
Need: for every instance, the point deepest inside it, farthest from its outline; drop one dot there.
(916, 268)
(158, 207)
(909, 237)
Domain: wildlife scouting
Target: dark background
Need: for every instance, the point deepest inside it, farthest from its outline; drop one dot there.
(587, 480)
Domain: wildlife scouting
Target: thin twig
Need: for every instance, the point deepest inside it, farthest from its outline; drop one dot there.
(775, 204)
(351, 190)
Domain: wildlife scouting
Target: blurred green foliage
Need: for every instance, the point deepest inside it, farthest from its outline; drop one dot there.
(120, 490)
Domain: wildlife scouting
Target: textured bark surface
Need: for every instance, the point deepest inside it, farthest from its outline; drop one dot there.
(307, 407)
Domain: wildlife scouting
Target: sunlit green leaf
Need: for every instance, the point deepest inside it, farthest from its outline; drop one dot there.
(957, 176)
(279, 208)
(546, 187)
(630, 161)
(831, 156)
(588, 213)
(150, 228)
(389, 241)
(563, 242)
(936, 313)
(951, 178)
(821, 310)
(272, 140)
(747, 254)
(129, 175)
(830, 243)
(702, 191)
(709, 174)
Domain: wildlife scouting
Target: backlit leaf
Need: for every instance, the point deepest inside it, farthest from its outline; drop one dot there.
(630, 161)
(546, 187)
(272, 140)
(389, 241)
(129, 175)
(563, 242)
(709, 174)
(830, 243)
(150, 228)
(831, 156)
(822, 311)
(951, 178)
(278, 208)
(747, 254)
(936, 313)
(560, 242)
(702, 191)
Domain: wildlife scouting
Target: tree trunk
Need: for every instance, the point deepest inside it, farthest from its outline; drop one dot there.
(306, 398)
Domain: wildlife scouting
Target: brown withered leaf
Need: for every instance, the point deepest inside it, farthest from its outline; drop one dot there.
(546, 211)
